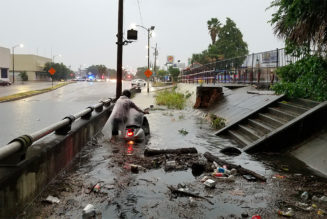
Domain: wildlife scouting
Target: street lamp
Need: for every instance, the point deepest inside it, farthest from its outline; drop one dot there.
(149, 35)
(53, 57)
(13, 60)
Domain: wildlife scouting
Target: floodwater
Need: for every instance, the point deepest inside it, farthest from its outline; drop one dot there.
(146, 195)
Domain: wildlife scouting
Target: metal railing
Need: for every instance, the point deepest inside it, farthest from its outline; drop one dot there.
(256, 68)
(15, 151)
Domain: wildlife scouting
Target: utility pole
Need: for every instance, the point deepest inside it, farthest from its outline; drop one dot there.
(119, 49)
(155, 60)
(148, 89)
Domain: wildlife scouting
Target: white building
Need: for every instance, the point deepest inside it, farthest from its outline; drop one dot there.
(4, 63)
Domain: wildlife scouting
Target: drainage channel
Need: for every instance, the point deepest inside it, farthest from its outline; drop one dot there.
(145, 194)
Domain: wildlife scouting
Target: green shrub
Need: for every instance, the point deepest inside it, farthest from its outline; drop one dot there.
(23, 76)
(217, 122)
(306, 78)
(172, 99)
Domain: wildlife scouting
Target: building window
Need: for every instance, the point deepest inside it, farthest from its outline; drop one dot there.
(4, 72)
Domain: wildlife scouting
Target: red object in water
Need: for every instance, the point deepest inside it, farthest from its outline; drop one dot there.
(130, 132)
(256, 217)
(218, 174)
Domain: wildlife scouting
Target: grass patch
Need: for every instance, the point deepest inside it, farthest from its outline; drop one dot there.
(171, 99)
(31, 93)
(217, 122)
(183, 132)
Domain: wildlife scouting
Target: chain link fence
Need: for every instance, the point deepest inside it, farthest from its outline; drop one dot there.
(257, 68)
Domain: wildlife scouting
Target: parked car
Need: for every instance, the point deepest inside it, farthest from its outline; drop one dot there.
(4, 83)
(138, 82)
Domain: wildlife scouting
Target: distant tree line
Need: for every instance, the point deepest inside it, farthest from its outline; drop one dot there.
(62, 71)
(101, 71)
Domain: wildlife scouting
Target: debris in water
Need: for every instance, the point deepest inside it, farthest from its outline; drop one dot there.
(288, 213)
(231, 151)
(183, 132)
(51, 199)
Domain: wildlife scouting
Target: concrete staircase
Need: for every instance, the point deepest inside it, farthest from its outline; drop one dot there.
(274, 125)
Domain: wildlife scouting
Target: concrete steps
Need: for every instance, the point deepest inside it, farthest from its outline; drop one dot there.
(255, 129)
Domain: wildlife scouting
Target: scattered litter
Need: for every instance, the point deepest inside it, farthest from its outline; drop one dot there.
(90, 212)
(215, 174)
(110, 186)
(321, 199)
(134, 168)
(249, 178)
(321, 212)
(279, 176)
(51, 199)
(204, 179)
(288, 213)
(305, 196)
(245, 215)
(192, 202)
(97, 188)
(210, 183)
(237, 192)
(184, 193)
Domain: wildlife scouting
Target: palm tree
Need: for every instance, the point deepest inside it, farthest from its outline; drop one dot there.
(213, 27)
(301, 22)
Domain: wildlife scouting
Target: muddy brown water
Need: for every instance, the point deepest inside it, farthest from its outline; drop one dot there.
(145, 195)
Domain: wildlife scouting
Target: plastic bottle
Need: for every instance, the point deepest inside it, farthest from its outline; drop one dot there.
(305, 196)
(217, 174)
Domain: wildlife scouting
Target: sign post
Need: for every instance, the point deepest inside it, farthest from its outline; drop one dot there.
(148, 74)
(52, 71)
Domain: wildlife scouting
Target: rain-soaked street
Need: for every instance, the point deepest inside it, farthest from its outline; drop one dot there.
(101, 175)
(34, 113)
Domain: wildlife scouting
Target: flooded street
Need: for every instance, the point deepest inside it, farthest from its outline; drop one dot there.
(123, 194)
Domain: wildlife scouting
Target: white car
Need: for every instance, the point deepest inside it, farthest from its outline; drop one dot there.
(138, 82)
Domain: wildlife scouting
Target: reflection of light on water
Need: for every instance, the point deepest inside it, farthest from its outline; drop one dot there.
(130, 149)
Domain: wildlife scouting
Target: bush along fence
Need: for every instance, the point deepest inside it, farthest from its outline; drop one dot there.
(256, 68)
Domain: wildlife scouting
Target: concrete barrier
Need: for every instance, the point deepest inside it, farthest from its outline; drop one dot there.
(21, 183)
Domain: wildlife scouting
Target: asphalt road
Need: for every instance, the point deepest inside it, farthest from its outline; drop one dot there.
(34, 113)
(21, 86)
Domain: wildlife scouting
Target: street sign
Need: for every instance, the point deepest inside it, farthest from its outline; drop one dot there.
(52, 71)
(148, 73)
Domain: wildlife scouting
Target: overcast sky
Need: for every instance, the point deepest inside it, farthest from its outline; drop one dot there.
(84, 31)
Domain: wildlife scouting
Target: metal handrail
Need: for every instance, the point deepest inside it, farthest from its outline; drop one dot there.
(25, 141)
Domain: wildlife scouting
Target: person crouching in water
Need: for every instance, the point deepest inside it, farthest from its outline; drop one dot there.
(119, 114)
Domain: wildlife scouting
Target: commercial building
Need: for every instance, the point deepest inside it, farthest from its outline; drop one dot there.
(4, 63)
(33, 65)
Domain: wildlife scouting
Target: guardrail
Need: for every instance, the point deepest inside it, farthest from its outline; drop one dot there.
(14, 152)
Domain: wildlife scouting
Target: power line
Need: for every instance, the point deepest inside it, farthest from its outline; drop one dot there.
(138, 3)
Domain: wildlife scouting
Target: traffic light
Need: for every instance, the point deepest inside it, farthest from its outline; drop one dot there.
(132, 34)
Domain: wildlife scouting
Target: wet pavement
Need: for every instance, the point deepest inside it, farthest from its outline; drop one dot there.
(34, 113)
(123, 194)
(24, 86)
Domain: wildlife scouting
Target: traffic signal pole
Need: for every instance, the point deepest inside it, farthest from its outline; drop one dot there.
(148, 58)
(119, 49)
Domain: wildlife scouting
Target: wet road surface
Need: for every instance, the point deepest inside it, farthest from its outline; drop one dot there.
(145, 195)
(34, 113)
